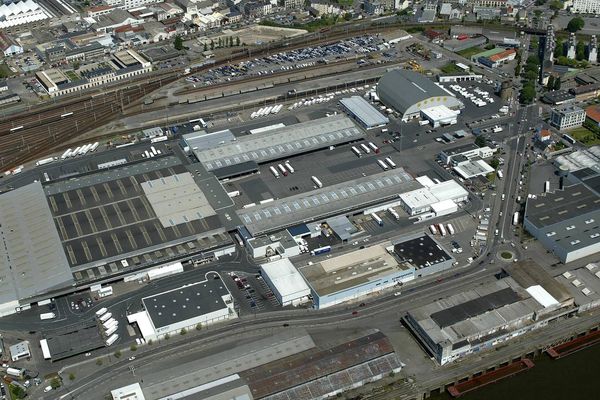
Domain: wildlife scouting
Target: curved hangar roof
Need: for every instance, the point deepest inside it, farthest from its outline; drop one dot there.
(409, 92)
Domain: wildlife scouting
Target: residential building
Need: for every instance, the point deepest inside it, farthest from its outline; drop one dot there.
(291, 4)
(567, 117)
(586, 92)
(374, 7)
(325, 7)
(256, 9)
(585, 7)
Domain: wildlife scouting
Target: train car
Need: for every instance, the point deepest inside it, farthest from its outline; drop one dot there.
(317, 181)
(390, 162)
(356, 151)
(365, 148)
(382, 165)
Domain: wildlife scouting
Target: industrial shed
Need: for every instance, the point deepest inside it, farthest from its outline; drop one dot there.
(285, 281)
(363, 112)
(409, 93)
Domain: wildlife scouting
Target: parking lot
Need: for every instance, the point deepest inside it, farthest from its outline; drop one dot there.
(251, 293)
(355, 48)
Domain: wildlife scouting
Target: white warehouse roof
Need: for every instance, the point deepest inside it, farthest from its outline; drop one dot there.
(448, 190)
(439, 113)
(285, 280)
(542, 296)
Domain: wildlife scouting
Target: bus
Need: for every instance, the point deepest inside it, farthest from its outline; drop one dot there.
(568, 138)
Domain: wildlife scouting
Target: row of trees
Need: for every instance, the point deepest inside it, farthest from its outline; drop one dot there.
(530, 75)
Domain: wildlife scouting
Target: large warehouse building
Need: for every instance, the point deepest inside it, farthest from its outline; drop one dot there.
(285, 281)
(409, 93)
(566, 222)
(353, 275)
(169, 312)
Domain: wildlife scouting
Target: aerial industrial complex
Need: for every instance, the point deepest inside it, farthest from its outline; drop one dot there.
(196, 205)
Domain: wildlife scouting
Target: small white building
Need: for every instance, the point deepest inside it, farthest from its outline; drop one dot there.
(473, 168)
(285, 281)
(440, 115)
(421, 200)
(129, 392)
(459, 154)
(277, 244)
(19, 351)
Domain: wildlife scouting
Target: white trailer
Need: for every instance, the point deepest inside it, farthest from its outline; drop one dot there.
(234, 193)
(111, 340)
(112, 330)
(500, 174)
(377, 219)
(101, 312)
(374, 147)
(442, 229)
(94, 146)
(356, 151)
(109, 324)
(44, 161)
(289, 167)
(390, 162)
(274, 171)
(433, 229)
(394, 213)
(451, 230)
(75, 152)
(49, 315)
(515, 220)
(154, 152)
(282, 169)
(147, 154)
(365, 148)
(382, 165)
(66, 154)
(105, 317)
(317, 181)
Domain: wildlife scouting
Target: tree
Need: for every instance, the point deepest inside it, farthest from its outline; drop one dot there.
(17, 392)
(575, 24)
(347, 16)
(480, 141)
(212, 44)
(198, 327)
(237, 40)
(205, 47)
(495, 163)
(230, 41)
(133, 347)
(557, 83)
(580, 51)
(182, 331)
(167, 336)
(551, 82)
(530, 75)
(55, 383)
(71, 376)
(533, 60)
(178, 43)
(527, 94)
(559, 49)
(117, 353)
(99, 361)
(556, 5)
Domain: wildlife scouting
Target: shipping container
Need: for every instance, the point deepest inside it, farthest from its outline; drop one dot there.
(433, 229)
(382, 165)
(316, 181)
(377, 219)
(356, 151)
(274, 171)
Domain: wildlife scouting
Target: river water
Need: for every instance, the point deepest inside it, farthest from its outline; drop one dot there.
(574, 377)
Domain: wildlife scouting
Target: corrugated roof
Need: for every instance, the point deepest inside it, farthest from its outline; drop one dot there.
(364, 112)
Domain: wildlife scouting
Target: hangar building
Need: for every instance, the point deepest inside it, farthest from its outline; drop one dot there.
(409, 93)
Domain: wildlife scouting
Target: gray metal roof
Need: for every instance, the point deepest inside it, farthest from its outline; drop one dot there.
(200, 140)
(364, 112)
(283, 142)
(320, 203)
(32, 259)
(401, 89)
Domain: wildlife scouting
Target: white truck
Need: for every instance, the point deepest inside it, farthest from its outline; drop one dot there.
(49, 315)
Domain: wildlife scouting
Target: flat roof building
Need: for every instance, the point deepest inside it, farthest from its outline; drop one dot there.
(468, 151)
(19, 351)
(584, 285)
(567, 117)
(473, 168)
(420, 201)
(409, 93)
(367, 115)
(129, 392)
(423, 253)
(169, 312)
(566, 222)
(327, 201)
(280, 143)
(353, 275)
(285, 281)
(476, 320)
(440, 115)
